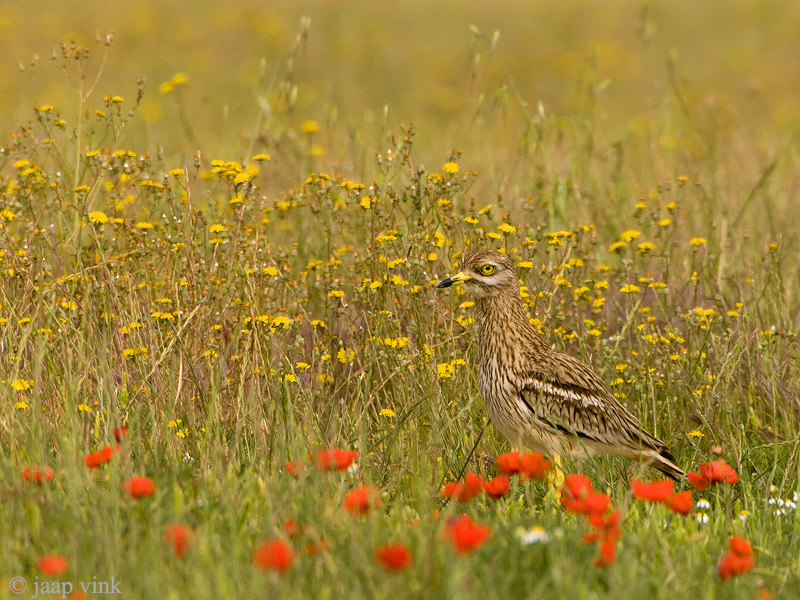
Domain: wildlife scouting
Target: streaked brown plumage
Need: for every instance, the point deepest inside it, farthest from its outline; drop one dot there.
(537, 396)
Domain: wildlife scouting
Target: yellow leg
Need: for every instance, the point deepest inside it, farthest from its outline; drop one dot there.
(555, 480)
(555, 476)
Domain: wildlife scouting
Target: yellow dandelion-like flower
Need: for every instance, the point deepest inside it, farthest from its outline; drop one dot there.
(629, 289)
(85, 408)
(645, 247)
(179, 79)
(445, 370)
(336, 294)
(345, 356)
(281, 321)
(319, 323)
(630, 235)
(97, 216)
(485, 209)
(471, 220)
(616, 246)
(217, 228)
(432, 256)
(450, 168)
(387, 412)
(144, 225)
(177, 172)
(697, 241)
(260, 157)
(506, 228)
(310, 127)
(20, 385)
(665, 222)
(365, 203)
(694, 433)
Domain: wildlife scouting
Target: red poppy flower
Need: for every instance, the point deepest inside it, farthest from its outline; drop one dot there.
(578, 496)
(577, 486)
(531, 464)
(732, 565)
(607, 532)
(608, 552)
(335, 459)
(463, 491)
(739, 560)
(509, 463)
(36, 474)
(394, 557)
(361, 500)
(273, 555)
(681, 503)
(179, 536)
(53, 565)
(101, 457)
(497, 487)
(718, 471)
(606, 522)
(740, 546)
(295, 468)
(139, 487)
(291, 528)
(698, 481)
(120, 433)
(657, 491)
(465, 535)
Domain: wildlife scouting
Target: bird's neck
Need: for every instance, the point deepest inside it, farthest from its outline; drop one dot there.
(504, 324)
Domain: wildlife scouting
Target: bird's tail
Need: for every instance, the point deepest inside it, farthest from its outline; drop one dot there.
(665, 462)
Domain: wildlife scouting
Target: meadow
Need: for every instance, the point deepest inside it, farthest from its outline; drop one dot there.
(225, 371)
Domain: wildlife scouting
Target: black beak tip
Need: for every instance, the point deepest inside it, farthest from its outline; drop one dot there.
(445, 284)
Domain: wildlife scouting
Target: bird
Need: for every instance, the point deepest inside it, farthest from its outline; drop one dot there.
(540, 397)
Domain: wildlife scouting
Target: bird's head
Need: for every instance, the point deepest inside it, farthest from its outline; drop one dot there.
(484, 273)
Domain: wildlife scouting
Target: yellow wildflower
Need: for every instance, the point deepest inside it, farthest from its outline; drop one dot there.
(99, 217)
(310, 127)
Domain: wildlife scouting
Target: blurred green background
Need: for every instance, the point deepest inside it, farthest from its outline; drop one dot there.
(649, 90)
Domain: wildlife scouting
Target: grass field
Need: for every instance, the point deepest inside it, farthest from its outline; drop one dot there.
(221, 227)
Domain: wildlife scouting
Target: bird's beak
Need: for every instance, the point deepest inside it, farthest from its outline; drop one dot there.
(454, 280)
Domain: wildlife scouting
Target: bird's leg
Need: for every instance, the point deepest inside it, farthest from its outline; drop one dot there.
(555, 476)
(555, 481)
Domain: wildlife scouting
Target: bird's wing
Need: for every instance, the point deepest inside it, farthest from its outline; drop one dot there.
(569, 397)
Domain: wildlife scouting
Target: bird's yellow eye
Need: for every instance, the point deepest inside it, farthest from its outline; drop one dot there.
(487, 269)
